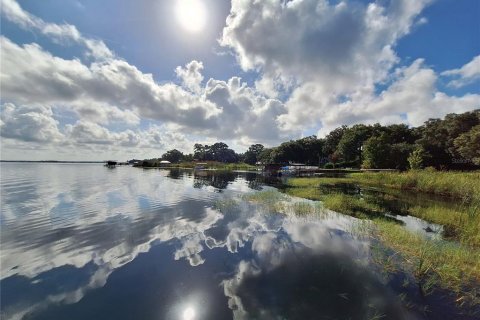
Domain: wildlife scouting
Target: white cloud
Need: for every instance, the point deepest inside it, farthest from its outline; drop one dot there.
(12, 11)
(319, 65)
(191, 75)
(319, 50)
(466, 74)
(412, 98)
(29, 123)
(115, 91)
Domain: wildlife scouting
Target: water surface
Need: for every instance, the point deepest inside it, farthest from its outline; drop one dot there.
(81, 241)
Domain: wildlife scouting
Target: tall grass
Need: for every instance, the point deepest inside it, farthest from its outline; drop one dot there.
(276, 202)
(214, 165)
(434, 262)
(461, 222)
(461, 185)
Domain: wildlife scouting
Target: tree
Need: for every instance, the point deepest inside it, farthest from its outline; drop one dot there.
(332, 139)
(352, 140)
(220, 152)
(399, 153)
(199, 151)
(438, 136)
(468, 145)
(173, 156)
(376, 152)
(253, 153)
(416, 158)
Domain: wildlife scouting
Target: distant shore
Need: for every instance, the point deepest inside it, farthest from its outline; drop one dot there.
(51, 161)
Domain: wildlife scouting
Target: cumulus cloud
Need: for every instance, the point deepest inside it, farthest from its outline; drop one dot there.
(412, 98)
(61, 33)
(343, 45)
(319, 65)
(32, 75)
(191, 75)
(330, 57)
(29, 123)
(117, 91)
(466, 74)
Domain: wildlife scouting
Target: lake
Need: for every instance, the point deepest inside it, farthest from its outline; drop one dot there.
(82, 241)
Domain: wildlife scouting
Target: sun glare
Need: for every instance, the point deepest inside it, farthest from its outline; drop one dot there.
(191, 14)
(189, 314)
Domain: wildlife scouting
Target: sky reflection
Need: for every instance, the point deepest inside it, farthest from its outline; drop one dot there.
(151, 244)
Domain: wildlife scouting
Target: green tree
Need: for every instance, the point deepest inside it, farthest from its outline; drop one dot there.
(253, 153)
(352, 140)
(376, 152)
(468, 145)
(416, 158)
(332, 139)
(173, 156)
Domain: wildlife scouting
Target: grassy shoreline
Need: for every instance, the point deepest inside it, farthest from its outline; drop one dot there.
(459, 185)
(453, 265)
(462, 221)
(434, 263)
(211, 165)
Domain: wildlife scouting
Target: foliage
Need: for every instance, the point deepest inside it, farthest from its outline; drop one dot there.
(217, 152)
(352, 140)
(438, 136)
(376, 152)
(332, 139)
(468, 145)
(253, 154)
(451, 143)
(415, 159)
(173, 156)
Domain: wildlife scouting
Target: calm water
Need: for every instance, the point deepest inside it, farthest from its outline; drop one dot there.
(88, 242)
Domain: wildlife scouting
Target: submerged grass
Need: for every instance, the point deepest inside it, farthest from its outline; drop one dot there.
(461, 185)
(214, 165)
(454, 266)
(461, 222)
(277, 202)
(434, 262)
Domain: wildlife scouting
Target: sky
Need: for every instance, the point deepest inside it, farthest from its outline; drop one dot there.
(119, 79)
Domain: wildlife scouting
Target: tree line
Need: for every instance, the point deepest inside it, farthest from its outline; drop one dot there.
(449, 143)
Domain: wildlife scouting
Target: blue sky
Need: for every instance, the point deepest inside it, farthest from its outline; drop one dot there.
(122, 79)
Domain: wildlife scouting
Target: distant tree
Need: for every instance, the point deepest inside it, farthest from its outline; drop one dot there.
(188, 157)
(438, 137)
(199, 151)
(400, 133)
(376, 152)
(352, 140)
(399, 153)
(468, 145)
(252, 155)
(173, 156)
(220, 152)
(266, 156)
(332, 139)
(416, 158)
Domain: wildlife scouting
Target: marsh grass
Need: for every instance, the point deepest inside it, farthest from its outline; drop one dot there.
(215, 165)
(224, 205)
(460, 185)
(454, 266)
(461, 222)
(433, 262)
(277, 202)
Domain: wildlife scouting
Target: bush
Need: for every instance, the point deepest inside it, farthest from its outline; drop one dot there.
(329, 165)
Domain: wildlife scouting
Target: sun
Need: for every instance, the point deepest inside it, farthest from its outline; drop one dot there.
(191, 14)
(188, 314)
